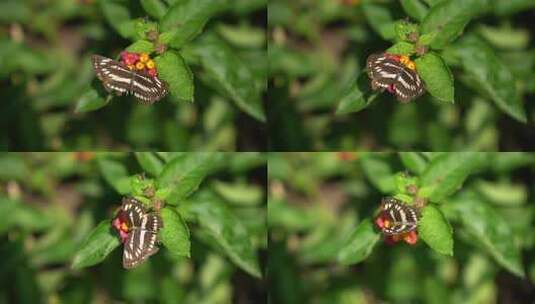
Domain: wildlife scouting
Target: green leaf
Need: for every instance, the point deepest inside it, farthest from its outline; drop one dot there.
(175, 233)
(231, 74)
(413, 161)
(173, 69)
(492, 76)
(13, 11)
(290, 217)
(437, 76)
(503, 193)
(115, 174)
(118, 15)
(449, 19)
(150, 163)
(505, 37)
(405, 29)
(488, 228)
(401, 48)
(155, 8)
(360, 244)
(512, 6)
(227, 231)
(239, 193)
(186, 19)
(185, 173)
(141, 46)
(357, 97)
(142, 27)
(100, 242)
(91, 101)
(435, 230)
(446, 173)
(378, 171)
(427, 39)
(380, 19)
(415, 9)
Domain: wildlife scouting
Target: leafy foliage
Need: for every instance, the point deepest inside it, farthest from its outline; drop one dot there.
(55, 102)
(474, 57)
(472, 233)
(57, 236)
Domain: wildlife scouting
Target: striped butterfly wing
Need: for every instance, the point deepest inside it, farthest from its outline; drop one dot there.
(116, 76)
(148, 89)
(386, 72)
(142, 242)
(403, 218)
(382, 70)
(134, 211)
(409, 85)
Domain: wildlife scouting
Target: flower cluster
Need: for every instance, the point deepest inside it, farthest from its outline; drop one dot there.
(410, 237)
(120, 223)
(403, 59)
(140, 62)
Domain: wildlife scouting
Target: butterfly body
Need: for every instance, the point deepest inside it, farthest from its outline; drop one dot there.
(401, 217)
(138, 230)
(117, 77)
(386, 71)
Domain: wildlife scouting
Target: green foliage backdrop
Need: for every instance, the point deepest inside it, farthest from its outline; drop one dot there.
(57, 243)
(475, 56)
(212, 54)
(475, 237)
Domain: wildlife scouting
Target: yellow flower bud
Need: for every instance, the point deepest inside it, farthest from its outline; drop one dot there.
(144, 57)
(140, 65)
(150, 64)
(411, 65)
(404, 59)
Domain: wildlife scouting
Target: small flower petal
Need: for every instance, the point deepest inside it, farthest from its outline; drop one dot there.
(152, 72)
(144, 57)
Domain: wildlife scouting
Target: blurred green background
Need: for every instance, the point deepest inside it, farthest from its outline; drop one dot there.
(45, 67)
(316, 200)
(49, 202)
(318, 48)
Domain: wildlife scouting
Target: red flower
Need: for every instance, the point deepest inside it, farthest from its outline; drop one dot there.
(411, 237)
(152, 72)
(120, 223)
(394, 57)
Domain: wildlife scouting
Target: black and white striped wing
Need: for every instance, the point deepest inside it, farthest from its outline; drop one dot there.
(134, 210)
(409, 85)
(115, 76)
(148, 89)
(403, 218)
(139, 246)
(382, 70)
(142, 241)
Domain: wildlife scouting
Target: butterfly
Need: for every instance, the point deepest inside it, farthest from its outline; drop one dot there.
(139, 231)
(402, 218)
(116, 76)
(386, 71)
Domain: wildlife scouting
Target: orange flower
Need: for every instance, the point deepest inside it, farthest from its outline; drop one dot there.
(140, 65)
(404, 59)
(144, 57)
